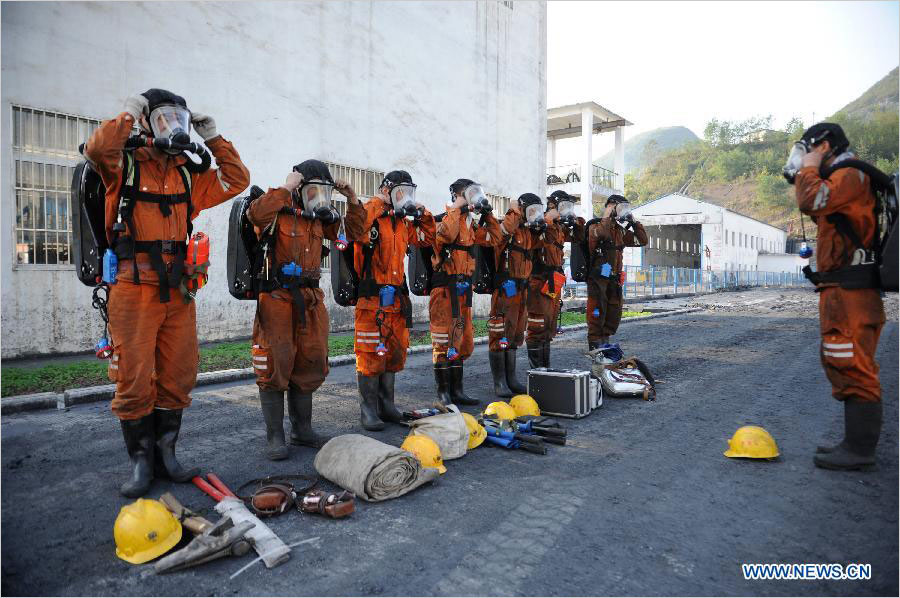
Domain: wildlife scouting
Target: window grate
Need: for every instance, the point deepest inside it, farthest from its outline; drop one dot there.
(45, 152)
(500, 203)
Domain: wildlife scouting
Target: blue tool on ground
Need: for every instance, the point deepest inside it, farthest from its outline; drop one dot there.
(530, 443)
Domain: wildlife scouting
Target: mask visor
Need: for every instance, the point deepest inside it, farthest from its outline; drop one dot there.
(474, 195)
(794, 161)
(403, 195)
(534, 213)
(565, 208)
(316, 194)
(622, 210)
(171, 122)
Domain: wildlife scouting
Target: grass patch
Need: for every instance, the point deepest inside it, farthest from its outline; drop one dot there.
(59, 377)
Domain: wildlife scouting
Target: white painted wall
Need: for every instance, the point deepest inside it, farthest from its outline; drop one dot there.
(441, 89)
(781, 262)
(751, 237)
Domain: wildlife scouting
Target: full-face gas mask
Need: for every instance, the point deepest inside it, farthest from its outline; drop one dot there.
(402, 193)
(811, 138)
(476, 199)
(314, 193)
(533, 209)
(168, 117)
(795, 160)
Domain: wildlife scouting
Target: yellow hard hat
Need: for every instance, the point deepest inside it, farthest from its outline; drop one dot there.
(753, 442)
(477, 432)
(426, 451)
(524, 405)
(144, 530)
(500, 410)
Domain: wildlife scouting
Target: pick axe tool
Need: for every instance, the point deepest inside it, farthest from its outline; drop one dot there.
(270, 548)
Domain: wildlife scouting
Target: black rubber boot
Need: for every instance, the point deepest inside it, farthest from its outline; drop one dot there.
(140, 443)
(536, 356)
(386, 408)
(167, 424)
(457, 394)
(442, 382)
(546, 354)
(300, 413)
(272, 403)
(510, 360)
(368, 402)
(862, 428)
(498, 371)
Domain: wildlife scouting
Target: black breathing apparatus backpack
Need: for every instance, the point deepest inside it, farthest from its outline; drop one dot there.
(250, 263)
(877, 264)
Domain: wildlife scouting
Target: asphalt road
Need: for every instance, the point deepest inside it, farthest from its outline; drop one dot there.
(641, 501)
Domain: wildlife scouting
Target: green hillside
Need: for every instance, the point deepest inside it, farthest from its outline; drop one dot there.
(644, 148)
(723, 168)
(881, 96)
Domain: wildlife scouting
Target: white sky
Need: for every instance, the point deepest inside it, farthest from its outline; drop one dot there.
(662, 64)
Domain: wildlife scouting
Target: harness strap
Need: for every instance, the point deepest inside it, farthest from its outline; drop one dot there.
(862, 276)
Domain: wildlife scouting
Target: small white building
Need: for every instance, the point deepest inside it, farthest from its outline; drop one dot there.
(688, 233)
(584, 121)
(441, 89)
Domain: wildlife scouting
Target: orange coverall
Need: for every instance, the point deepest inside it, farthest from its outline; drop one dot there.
(850, 319)
(606, 239)
(460, 229)
(394, 236)
(543, 310)
(507, 317)
(155, 352)
(290, 348)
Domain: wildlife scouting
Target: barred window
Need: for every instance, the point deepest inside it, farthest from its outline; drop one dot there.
(500, 203)
(364, 182)
(45, 152)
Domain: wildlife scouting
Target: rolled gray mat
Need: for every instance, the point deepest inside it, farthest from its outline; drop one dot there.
(370, 469)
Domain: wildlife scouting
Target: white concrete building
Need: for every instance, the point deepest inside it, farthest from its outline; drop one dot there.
(690, 233)
(584, 121)
(441, 89)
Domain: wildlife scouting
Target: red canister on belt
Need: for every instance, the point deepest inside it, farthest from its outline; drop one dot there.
(196, 263)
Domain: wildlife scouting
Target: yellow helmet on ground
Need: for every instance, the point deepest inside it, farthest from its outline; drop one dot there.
(500, 410)
(477, 432)
(144, 530)
(426, 451)
(524, 405)
(752, 442)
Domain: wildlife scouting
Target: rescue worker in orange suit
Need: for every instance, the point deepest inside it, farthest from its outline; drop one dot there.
(467, 222)
(394, 220)
(607, 236)
(547, 278)
(290, 332)
(151, 198)
(851, 313)
(523, 230)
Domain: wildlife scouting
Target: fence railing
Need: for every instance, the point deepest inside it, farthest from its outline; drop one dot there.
(604, 177)
(661, 280)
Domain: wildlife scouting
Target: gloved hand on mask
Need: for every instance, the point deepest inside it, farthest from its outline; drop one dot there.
(204, 125)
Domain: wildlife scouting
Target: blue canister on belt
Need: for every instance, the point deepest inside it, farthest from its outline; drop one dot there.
(462, 288)
(290, 270)
(386, 296)
(509, 287)
(110, 266)
(596, 312)
(606, 270)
